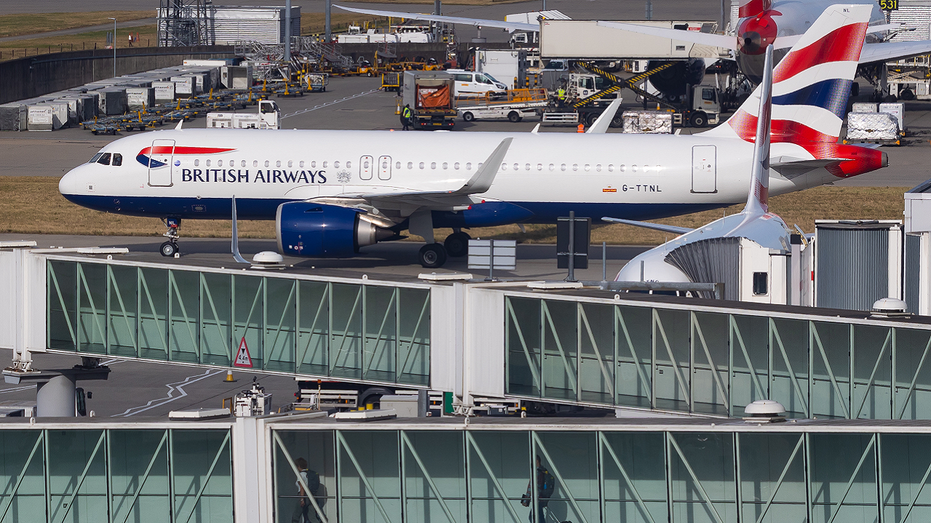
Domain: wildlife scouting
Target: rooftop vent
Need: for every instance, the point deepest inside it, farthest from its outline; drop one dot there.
(890, 308)
(764, 411)
(267, 260)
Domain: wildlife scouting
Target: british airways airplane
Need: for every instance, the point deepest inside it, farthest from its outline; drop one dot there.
(333, 192)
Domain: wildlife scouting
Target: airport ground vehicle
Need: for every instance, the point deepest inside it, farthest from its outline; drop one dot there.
(469, 83)
(430, 96)
(516, 105)
(267, 117)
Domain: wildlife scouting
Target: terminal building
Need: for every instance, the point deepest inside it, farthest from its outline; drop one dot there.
(675, 373)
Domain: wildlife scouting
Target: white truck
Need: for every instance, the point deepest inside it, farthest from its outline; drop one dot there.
(508, 66)
(268, 117)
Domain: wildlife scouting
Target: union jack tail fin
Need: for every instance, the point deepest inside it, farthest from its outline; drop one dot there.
(811, 85)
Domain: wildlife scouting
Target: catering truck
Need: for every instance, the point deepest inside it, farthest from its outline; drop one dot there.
(430, 97)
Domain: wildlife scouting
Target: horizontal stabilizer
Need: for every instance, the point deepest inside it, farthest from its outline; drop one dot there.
(791, 167)
(886, 51)
(648, 225)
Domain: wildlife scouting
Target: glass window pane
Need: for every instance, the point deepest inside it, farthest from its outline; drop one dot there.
(596, 369)
(132, 452)
(121, 324)
(92, 307)
(62, 304)
(560, 354)
(643, 457)
(764, 458)
(502, 458)
(789, 342)
(750, 353)
(193, 452)
(153, 313)
(346, 331)
(572, 460)
(834, 459)
(711, 368)
(414, 336)
(523, 345)
(249, 322)
(15, 447)
(314, 328)
(711, 457)
(317, 449)
(905, 460)
(376, 453)
(280, 331)
(185, 315)
(380, 333)
(634, 355)
(830, 398)
(69, 453)
(872, 371)
(441, 454)
(216, 311)
(911, 347)
(672, 359)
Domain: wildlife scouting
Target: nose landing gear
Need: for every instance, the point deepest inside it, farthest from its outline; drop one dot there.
(170, 248)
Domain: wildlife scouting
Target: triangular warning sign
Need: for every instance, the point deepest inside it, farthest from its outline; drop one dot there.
(243, 359)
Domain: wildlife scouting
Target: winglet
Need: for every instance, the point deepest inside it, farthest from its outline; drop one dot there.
(485, 175)
(601, 124)
(180, 123)
(758, 198)
(234, 246)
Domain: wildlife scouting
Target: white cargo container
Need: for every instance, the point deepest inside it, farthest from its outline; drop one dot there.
(40, 118)
(164, 91)
(863, 107)
(504, 65)
(140, 98)
(898, 111)
(184, 86)
(647, 122)
(872, 127)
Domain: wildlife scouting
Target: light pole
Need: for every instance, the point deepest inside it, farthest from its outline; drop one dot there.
(114, 45)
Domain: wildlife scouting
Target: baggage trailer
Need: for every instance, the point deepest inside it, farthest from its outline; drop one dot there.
(518, 104)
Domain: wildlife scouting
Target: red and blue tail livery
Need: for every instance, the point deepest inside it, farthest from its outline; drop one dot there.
(145, 156)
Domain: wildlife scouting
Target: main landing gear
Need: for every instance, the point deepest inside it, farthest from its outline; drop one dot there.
(434, 255)
(170, 248)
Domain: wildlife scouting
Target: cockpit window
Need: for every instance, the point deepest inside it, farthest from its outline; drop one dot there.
(104, 159)
(117, 159)
(95, 158)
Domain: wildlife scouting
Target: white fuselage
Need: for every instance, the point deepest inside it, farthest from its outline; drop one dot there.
(546, 174)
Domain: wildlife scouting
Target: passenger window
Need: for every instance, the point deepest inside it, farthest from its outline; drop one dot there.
(336, 165)
(277, 163)
(421, 165)
(410, 165)
(433, 165)
(243, 163)
(397, 165)
(562, 167)
(324, 165)
(301, 164)
(313, 164)
(504, 166)
(255, 163)
(633, 168)
(196, 163)
(445, 165)
(219, 163)
(290, 163)
(349, 165)
(117, 159)
(539, 166)
(575, 167)
(588, 167)
(622, 168)
(527, 167)
(456, 166)
(610, 167)
(266, 163)
(468, 166)
(516, 166)
(552, 167)
(104, 159)
(207, 163)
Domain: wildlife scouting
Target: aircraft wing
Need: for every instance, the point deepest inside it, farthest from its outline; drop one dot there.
(510, 26)
(649, 225)
(886, 51)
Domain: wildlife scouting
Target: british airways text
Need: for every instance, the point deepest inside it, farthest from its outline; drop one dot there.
(243, 176)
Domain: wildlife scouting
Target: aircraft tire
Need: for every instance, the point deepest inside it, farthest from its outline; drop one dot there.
(432, 256)
(457, 244)
(168, 249)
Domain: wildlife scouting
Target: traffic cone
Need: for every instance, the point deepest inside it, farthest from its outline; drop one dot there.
(581, 128)
(229, 376)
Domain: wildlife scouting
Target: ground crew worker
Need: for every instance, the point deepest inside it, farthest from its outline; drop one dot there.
(561, 96)
(406, 117)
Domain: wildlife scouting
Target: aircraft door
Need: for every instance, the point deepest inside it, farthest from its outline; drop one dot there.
(365, 167)
(384, 167)
(161, 163)
(704, 169)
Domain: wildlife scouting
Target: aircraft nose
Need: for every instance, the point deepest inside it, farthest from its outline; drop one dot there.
(70, 183)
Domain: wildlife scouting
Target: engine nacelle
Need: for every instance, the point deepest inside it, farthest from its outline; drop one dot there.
(324, 231)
